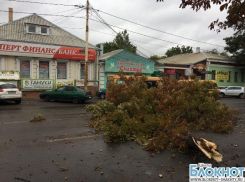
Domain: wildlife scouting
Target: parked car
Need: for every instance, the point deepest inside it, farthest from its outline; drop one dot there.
(237, 91)
(9, 92)
(102, 93)
(67, 93)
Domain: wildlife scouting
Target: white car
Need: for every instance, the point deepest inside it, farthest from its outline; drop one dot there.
(237, 91)
(9, 92)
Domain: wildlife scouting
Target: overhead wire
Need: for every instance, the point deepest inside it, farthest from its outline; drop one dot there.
(148, 27)
(103, 23)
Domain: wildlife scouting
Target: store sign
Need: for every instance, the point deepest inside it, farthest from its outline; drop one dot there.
(200, 66)
(129, 66)
(170, 72)
(60, 83)
(9, 75)
(37, 84)
(188, 72)
(45, 51)
(221, 75)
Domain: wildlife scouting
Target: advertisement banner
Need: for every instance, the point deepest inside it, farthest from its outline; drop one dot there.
(170, 71)
(129, 66)
(60, 83)
(45, 51)
(222, 75)
(9, 75)
(37, 84)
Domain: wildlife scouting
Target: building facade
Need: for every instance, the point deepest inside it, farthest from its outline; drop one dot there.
(120, 60)
(44, 56)
(206, 66)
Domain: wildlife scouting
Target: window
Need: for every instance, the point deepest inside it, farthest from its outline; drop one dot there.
(37, 29)
(229, 79)
(236, 77)
(60, 89)
(69, 89)
(242, 77)
(213, 74)
(44, 30)
(61, 70)
(25, 69)
(82, 71)
(32, 28)
(43, 69)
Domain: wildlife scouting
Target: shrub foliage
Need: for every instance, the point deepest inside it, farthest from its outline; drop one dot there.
(159, 118)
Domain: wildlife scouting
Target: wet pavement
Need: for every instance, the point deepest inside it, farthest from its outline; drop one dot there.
(62, 148)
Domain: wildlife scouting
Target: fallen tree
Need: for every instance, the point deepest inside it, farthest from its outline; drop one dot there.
(160, 118)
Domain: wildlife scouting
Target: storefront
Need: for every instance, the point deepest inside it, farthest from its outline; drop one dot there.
(120, 60)
(44, 60)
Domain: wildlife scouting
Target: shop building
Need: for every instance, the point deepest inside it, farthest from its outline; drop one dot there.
(44, 56)
(206, 66)
(120, 60)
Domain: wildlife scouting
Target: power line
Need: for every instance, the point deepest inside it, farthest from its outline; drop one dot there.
(35, 2)
(103, 23)
(125, 20)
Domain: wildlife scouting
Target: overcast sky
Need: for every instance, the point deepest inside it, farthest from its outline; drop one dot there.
(165, 16)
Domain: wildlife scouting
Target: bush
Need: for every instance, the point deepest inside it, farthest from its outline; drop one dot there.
(159, 118)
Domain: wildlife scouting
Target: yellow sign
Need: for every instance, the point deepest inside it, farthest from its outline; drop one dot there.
(222, 75)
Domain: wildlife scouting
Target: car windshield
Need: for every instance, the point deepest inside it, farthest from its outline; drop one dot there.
(79, 89)
(7, 86)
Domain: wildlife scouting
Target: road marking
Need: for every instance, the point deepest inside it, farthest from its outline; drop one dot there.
(73, 138)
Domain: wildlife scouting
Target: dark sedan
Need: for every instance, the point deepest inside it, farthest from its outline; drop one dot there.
(67, 93)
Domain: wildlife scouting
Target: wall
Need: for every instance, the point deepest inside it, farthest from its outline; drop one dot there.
(233, 70)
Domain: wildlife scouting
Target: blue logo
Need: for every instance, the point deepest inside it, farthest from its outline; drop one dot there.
(205, 172)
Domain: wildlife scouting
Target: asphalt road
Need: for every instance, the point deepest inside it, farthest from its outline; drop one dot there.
(62, 148)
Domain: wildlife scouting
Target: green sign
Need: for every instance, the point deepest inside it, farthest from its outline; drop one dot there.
(9, 75)
(37, 84)
(129, 66)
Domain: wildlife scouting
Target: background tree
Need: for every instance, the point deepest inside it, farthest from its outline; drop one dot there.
(235, 12)
(178, 50)
(215, 51)
(121, 41)
(156, 57)
(236, 46)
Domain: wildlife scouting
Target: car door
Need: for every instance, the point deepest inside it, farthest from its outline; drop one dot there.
(69, 93)
(237, 91)
(58, 93)
(230, 91)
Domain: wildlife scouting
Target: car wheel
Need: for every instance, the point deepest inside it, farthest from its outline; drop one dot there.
(46, 98)
(75, 100)
(222, 95)
(17, 101)
(241, 96)
(102, 96)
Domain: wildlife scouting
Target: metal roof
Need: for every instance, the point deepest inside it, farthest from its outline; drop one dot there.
(191, 58)
(15, 31)
(124, 55)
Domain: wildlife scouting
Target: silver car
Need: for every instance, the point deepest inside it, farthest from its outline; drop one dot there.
(237, 91)
(9, 92)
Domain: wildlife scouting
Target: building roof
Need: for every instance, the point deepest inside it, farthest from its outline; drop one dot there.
(123, 55)
(15, 31)
(192, 58)
(110, 54)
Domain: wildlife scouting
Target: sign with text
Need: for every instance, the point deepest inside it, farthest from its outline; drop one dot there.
(9, 75)
(200, 66)
(37, 84)
(129, 66)
(170, 71)
(45, 51)
(221, 75)
(60, 83)
(188, 72)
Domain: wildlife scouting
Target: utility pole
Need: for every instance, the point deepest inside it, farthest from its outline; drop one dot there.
(86, 49)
